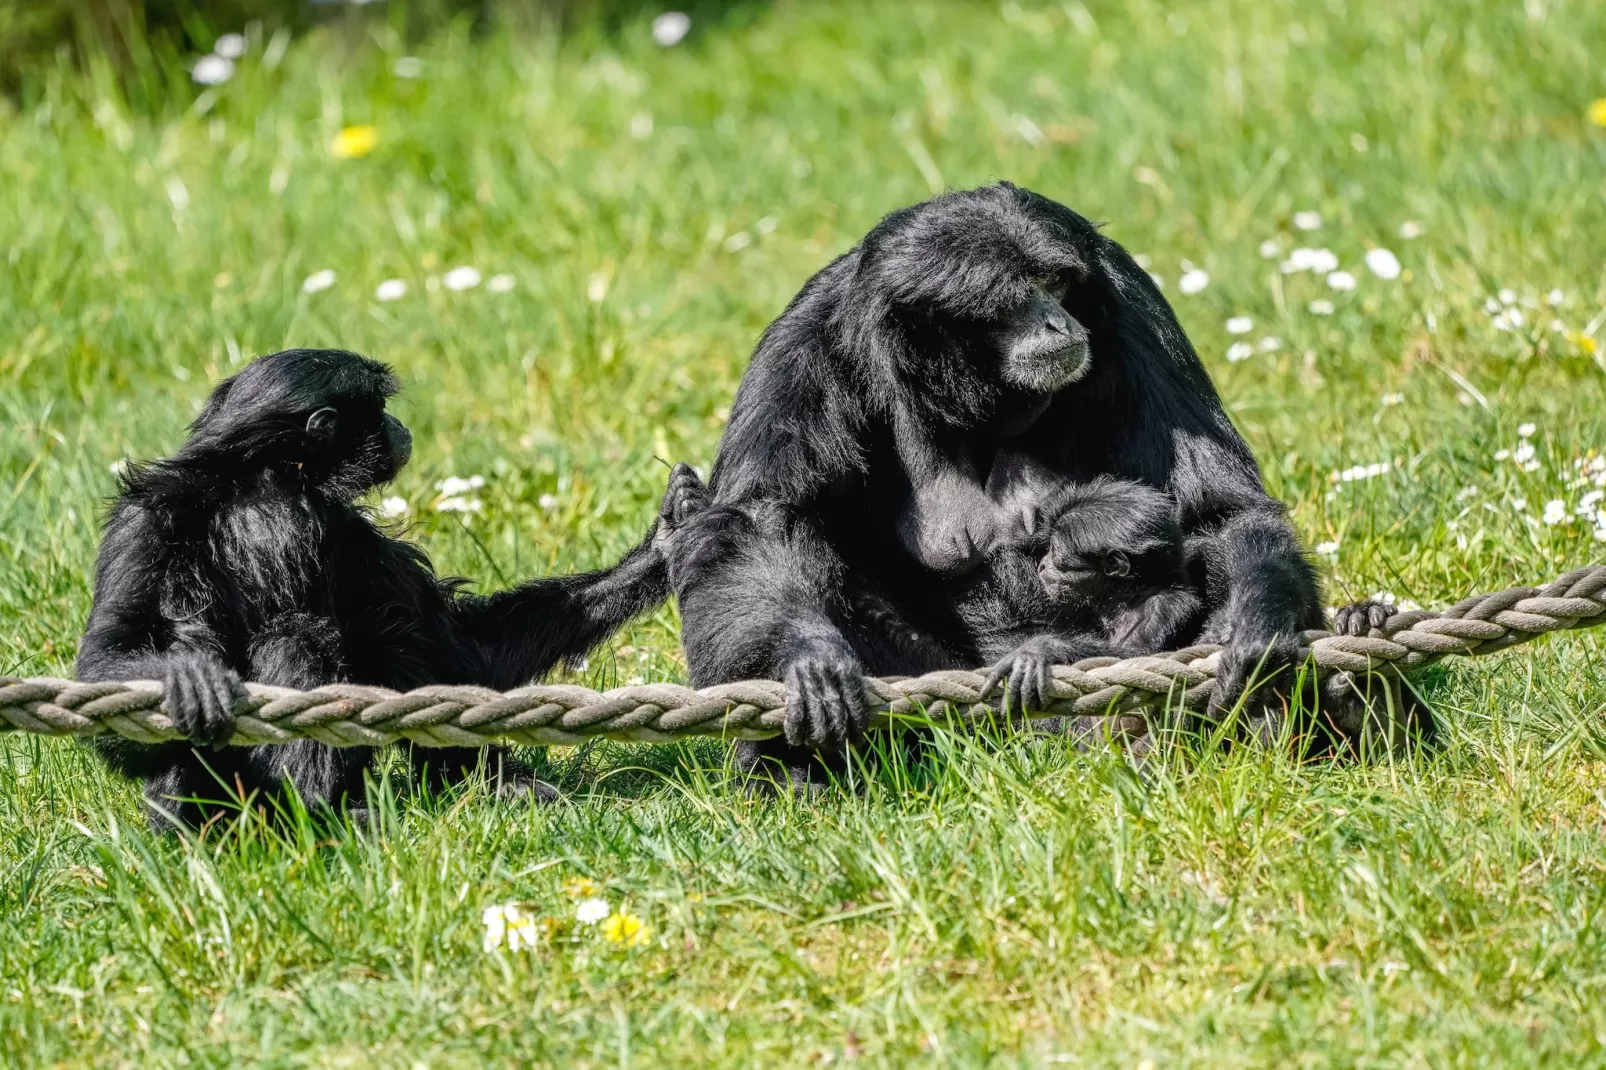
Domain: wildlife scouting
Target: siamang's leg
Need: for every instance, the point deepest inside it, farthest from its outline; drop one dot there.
(303, 650)
(1264, 593)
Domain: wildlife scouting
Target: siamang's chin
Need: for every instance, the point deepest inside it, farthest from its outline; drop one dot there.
(1046, 371)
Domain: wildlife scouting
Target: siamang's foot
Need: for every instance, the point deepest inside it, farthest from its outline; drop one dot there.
(199, 694)
(1261, 677)
(512, 779)
(768, 768)
(825, 706)
(685, 497)
(1027, 674)
(1358, 618)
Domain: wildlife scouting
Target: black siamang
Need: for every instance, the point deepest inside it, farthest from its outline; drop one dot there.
(244, 556)
(898, 446)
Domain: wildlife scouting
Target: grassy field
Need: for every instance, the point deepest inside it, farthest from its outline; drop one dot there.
(654, 208)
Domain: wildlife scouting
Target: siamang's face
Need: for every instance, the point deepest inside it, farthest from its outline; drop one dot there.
(1041, 347)
(356, 446)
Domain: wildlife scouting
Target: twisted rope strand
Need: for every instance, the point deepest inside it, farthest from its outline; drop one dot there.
(348, 715)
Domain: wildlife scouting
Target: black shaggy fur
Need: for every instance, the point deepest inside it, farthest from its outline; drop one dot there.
(243, 556)
(897, 369)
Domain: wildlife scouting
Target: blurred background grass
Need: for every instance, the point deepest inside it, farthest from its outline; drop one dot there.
(654, 207)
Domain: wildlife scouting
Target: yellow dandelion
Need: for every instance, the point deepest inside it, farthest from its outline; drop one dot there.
(580, 887)
(626, 929)
(354, 141)
(1586, 345)
(1597, 112)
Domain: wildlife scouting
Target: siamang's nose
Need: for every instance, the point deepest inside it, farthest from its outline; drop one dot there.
(1059, 323)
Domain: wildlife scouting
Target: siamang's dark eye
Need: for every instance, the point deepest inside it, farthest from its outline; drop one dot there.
(1057, 288)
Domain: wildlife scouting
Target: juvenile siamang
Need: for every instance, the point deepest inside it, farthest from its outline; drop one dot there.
(1116, 555)
(855, 504)
(244, 556)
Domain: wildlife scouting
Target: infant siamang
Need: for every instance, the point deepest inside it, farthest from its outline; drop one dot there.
(244, 556)
(1116, 555)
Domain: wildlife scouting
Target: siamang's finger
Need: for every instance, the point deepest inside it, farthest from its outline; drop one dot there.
(182, 705)
(858, 706)
(1045, 676)
(797, 707)
(823, 711)
(1379, 614)
(211, 691)
(836, 711)
(989, 685)
(819, 722)
(1013, 702)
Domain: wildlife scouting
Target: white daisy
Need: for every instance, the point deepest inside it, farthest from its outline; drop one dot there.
(212, 70)
(500, 284)
(1239, 351)
(318, 281)
(1321, 307)
(591, 911)
(1383, 263)
(1308, 220)
(1194, 281)
(230, 45)
(1341, 280)
(1240, 325)
(670, 28)
(390, 290)
(461, 278)
(1410, 230)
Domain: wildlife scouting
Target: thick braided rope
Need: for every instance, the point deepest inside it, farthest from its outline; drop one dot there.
(347, 715)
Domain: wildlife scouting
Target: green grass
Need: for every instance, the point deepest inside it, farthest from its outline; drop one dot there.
(1001, 903)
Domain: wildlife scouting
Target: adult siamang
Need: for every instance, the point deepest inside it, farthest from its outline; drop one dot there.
(244, 556)
(906, 434)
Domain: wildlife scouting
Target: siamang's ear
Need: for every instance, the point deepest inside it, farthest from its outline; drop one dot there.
(321, 424)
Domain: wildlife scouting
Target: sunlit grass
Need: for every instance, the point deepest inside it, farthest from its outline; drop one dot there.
(633, 215)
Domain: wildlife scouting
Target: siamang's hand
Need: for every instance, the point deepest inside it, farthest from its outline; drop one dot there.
(1358, 618)
(1027, 674)
(1270, 668)
(200, 696)
(825, 706)
(685, 497)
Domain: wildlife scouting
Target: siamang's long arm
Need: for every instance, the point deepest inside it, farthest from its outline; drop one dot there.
(526, 630)
(761, 594)
(1263, 590)
(129, 637)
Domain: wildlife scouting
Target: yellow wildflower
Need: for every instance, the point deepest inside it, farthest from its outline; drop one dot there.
(580, 887)
(354, 141)
(626, 929)
(1597, 112)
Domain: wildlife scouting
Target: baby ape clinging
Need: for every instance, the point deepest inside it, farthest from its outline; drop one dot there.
(917, 360)
(1116, 554)
(243, 556)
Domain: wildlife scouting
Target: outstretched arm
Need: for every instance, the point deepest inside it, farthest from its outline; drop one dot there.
(526, 630)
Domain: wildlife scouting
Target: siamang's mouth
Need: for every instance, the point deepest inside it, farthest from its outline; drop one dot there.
(1049, 369)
